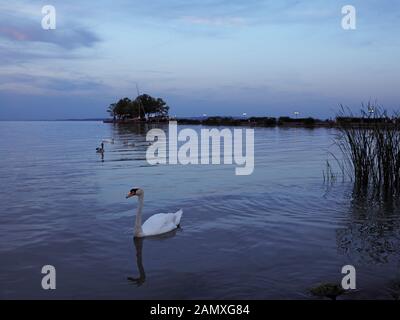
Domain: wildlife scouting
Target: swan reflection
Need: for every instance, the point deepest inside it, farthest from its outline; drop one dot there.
(142, 275)
(138, 242)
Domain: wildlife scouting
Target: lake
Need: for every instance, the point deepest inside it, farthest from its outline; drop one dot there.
(270, 235)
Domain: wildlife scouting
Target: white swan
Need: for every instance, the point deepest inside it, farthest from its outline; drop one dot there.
(157, 224)
(108, 141)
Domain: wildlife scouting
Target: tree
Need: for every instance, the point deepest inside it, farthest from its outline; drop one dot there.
(111, 110)
(153, 106)
(140, 107)
(132, 110)
(123, 108)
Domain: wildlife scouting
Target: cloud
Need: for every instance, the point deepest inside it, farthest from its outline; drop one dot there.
(65, 37)
(21, 23)
(17, 53)
(280, 50)
(215, 21)
(13, 34)
(42, 84)
(22, 39)
(20, 8)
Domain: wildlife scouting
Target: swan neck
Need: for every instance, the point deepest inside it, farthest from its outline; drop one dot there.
(138, 221)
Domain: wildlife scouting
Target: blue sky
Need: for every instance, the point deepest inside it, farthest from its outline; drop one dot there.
(217, 57)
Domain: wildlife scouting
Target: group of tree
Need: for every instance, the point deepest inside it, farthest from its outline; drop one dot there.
(144, 106)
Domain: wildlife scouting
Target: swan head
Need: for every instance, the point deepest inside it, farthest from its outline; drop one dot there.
(134, 192)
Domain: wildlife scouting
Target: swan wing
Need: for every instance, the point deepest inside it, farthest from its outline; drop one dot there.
(161, 223)
(178, 216)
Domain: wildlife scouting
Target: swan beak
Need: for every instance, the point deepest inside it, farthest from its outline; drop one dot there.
(129, 195)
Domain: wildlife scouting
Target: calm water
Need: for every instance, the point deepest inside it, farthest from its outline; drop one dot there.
(273, 234)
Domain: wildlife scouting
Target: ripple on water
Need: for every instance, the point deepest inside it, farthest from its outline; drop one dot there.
(273, 234)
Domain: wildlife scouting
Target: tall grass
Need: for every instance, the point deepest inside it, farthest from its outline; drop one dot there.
(370, 144)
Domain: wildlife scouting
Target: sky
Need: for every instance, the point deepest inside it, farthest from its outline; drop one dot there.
(218, 57)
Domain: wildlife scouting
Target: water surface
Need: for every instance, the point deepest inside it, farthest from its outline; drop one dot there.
(271, 235)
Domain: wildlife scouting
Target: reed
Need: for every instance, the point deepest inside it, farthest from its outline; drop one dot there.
(371, 149)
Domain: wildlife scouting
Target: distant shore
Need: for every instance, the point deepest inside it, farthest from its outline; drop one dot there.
(262, 121)
(231, 121)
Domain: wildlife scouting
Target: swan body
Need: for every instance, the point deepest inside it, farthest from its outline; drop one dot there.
(108, 141)
(157, 224)
(161, 223)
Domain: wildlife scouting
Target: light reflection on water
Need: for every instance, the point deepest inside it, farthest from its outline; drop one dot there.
(273, 234)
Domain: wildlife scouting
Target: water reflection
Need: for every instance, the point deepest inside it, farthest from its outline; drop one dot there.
(142, 275)
(127, 142)
(138, 129)
(394, 289)
(138, 243)
(372, 233)
(292, 242)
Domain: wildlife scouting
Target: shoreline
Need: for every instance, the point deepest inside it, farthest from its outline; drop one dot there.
(266, 122)
(230, 121)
